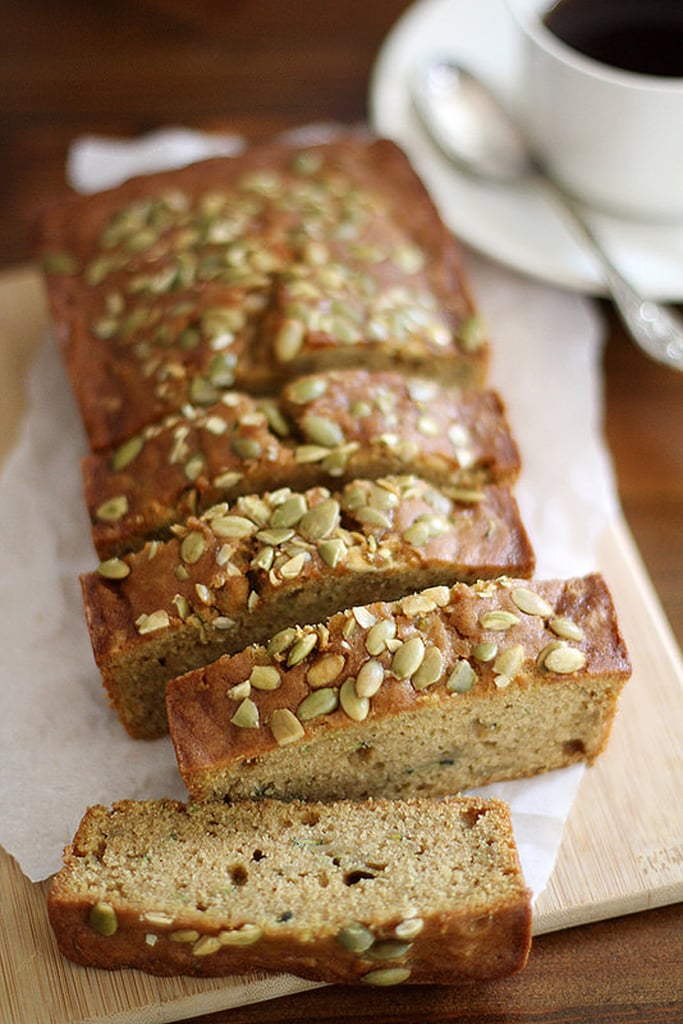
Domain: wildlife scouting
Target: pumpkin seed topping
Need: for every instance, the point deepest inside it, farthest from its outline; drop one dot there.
(353, 704)
(127, 453)
(184, 935)
(285, 727)
(152, 622)
(566, 628)
(319, 702)
(408, 658)
(306, 389)
(531, 603)
(192, 547)
(389, 949)
(430, 670)
(113, 569)
(498, 620)
(112, 509)
(385, 976)
(378, 635)
(102, 919)
(564, 660)
(301, 649)
(246, 716)
(409, 929)
(370, 678)
(246, 935)
(325, 671)
(206, 945)
(485, 651)
(462, 678)
(355, 937)
(239, 691)
(265, 677)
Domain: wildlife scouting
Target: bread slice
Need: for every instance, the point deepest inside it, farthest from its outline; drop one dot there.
(436, 693)
(379, 893)
(247, 271)
(240, 573)
(324, 429)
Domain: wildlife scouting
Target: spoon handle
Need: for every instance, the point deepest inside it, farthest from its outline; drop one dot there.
(657, 331)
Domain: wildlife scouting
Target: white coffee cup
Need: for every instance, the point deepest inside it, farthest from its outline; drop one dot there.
(611, 138)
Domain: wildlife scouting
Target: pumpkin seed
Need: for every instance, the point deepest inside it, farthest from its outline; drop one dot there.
(265, 677)
(566, 628)
(192, 547)
(239, 691)
(485, 651)
(232, 526)
(247, 448)
(112, 509)
(377, 637)
(246, 716)
(389, 949)
(289, 340)
(281, 641)
(409, 929)
(323, 431)
(320, 702)
(564, 660)
(353, 704)
(408, 658)
(498, 620)
(372, 517)
(193, 467)
(462, 678)
(152, 622)
(370, 678)
(385, 976)
(227, 480)
(430, 670)
(472, 334)
(126, 453)
(306, 389)
(325, 671)
(320, 520)
(203, 392)
(207, 945)
(289, 512)
(246, 935)
(508, 664)
(531, 603)
(294, 566)
(184, 935)
(204, 593)
(355, 937)
(307, 453)
(301, 649)
(113, 569)
(102, 919)
(332, 551)
(285, 727)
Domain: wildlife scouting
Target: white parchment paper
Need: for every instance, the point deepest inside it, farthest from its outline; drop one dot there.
(61, 748)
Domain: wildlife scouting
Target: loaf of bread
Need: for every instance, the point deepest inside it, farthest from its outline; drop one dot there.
(245, 272)
(436, 693)
(241, 572)
(377, 893)
(324, 429)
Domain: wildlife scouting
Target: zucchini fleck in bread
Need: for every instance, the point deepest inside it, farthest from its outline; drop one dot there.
(246, 271)
(436, 693)
(325, 428)
(243, 571)
(378, 893)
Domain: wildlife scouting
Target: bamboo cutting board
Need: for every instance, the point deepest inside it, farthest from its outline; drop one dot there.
(622, 850)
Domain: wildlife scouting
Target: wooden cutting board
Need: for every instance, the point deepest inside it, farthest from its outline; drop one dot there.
(622, 850)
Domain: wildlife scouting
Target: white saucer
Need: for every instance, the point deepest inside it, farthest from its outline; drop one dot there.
(516, 225)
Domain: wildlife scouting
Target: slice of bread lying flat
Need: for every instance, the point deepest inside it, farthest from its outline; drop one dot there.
(379, 893)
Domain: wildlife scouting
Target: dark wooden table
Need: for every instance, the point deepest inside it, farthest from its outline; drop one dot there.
(259, 66)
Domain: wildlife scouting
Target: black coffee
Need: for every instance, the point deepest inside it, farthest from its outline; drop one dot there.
(636, 35)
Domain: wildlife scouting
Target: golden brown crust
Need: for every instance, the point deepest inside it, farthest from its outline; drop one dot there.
(239, 573)
(245, 272)
(325, 429)
(452, 905)
(500, 680)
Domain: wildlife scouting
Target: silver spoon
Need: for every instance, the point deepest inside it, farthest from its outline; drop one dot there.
(473, 130)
